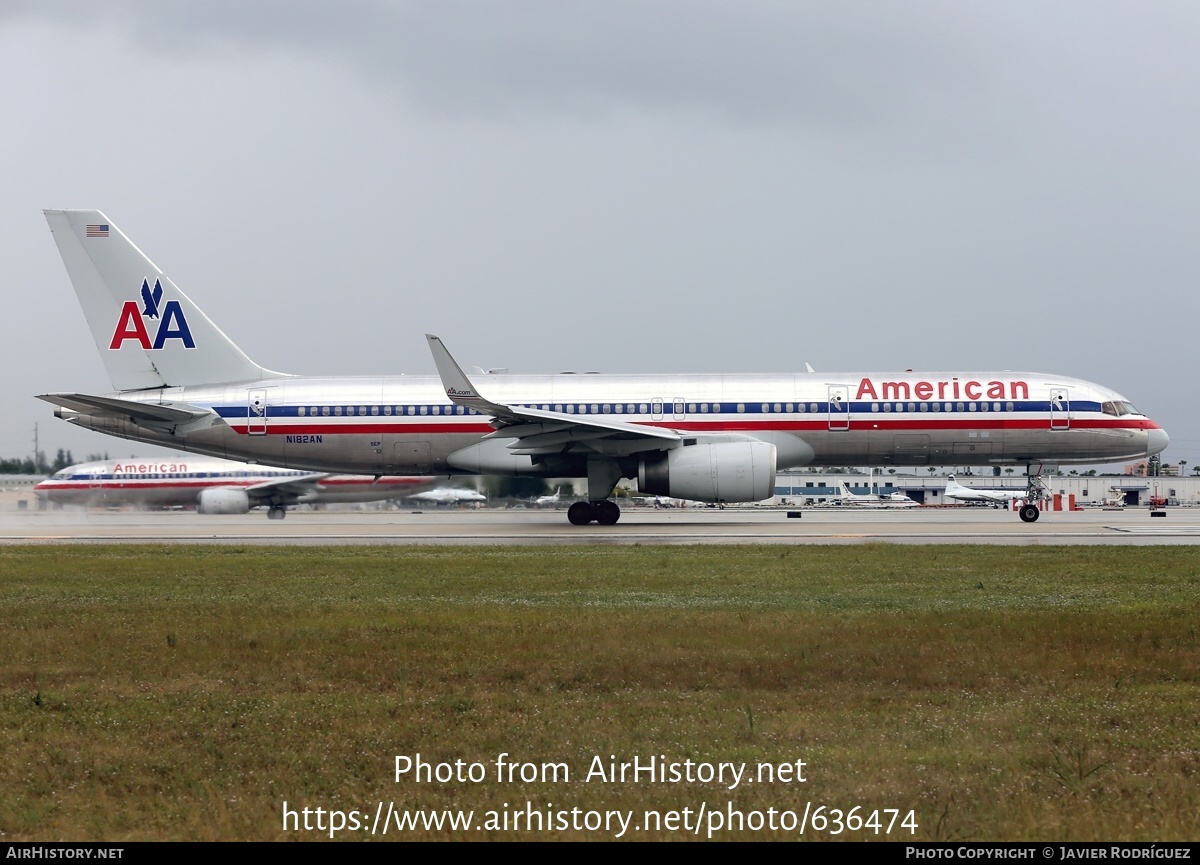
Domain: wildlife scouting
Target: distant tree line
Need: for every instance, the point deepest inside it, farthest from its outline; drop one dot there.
(39, 466)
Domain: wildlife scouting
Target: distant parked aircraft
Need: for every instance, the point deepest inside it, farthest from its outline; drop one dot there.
(875, 500)
(999, 498)
(215, 486)
(448, 496)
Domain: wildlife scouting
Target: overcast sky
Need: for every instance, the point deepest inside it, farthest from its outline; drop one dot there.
(633, 186)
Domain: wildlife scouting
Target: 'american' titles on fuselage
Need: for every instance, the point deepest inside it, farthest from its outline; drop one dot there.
(705, 437)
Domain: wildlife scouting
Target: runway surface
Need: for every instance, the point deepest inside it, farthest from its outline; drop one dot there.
(1133, 526)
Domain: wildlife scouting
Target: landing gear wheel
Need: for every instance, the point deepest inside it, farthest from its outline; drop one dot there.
(607, 513)
(1029, 513)
(581, 513)
(276, 513)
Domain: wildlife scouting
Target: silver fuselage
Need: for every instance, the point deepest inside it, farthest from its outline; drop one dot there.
(406, 424)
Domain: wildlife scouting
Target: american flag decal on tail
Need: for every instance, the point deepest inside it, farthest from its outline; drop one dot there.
(97, 231)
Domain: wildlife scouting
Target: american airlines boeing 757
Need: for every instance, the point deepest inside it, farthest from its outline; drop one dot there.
(216, 486)
(179, 381)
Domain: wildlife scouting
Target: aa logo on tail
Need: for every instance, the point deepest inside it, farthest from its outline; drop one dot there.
(132, 323)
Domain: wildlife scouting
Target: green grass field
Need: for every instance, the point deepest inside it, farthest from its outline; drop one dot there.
(999, 693)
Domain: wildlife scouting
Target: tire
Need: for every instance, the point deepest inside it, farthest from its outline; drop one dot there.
(580, 513)
(1029, 513)
(607, 513)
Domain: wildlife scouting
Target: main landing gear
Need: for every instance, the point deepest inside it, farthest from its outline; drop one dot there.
(276, 512)
(606, 513)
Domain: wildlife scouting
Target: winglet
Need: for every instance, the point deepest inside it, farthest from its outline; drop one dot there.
(458, 387)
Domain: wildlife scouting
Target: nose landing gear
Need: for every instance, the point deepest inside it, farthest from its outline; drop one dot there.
(1034, 492)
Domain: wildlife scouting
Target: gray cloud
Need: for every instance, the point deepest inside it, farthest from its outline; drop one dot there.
(625, 186)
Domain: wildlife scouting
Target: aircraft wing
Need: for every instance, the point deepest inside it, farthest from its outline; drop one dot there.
(538, 431)
(176, 412)
(292, 489)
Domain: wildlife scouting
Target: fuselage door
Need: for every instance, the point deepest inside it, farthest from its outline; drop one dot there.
(839, 407)
(256, 412)
(678, 409)
(1060, 408)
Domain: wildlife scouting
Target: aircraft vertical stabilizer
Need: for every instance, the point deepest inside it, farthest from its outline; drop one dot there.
(148, 332)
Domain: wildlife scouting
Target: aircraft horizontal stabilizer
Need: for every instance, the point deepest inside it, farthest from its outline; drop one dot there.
(138, 412)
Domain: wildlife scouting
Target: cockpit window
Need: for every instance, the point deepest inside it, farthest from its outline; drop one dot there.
(1119, 407)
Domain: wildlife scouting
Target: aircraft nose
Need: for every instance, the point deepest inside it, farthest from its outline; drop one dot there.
(1156, 441)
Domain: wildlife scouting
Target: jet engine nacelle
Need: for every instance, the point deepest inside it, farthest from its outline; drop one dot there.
(224, 501)
(721, 472)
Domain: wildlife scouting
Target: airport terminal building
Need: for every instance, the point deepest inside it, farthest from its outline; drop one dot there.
(800, 489)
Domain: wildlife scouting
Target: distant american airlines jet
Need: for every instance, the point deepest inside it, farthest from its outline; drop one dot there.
(180, 382)
(216, 486)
